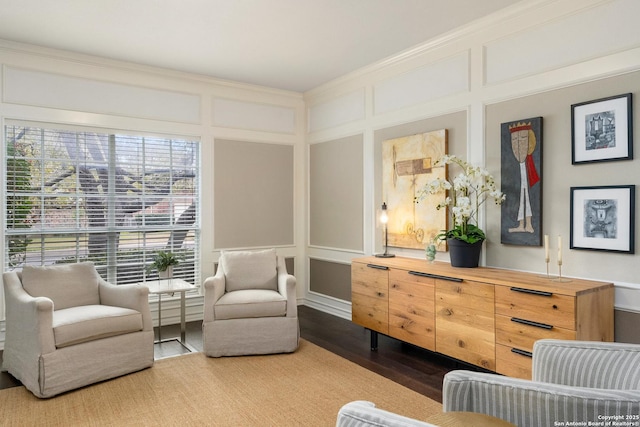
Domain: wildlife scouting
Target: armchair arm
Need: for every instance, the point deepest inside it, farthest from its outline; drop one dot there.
(135, 297)
(594, 364)
(214, 288)
(287, 288)
(29, 320)
(532, 403)
(361, 413)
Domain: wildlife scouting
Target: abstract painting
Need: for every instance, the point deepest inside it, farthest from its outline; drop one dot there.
(407, 165)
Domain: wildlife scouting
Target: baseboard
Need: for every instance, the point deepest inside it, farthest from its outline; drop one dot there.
(334, 306)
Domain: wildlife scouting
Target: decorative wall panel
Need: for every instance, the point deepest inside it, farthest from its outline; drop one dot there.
(253, 116)
(37, 88)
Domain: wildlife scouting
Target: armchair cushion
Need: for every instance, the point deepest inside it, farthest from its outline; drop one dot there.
(250, 303)
(84, 323)
(66, 285)
(250, 269)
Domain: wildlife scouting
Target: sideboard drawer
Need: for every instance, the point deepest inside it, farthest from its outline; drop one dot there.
(543, 307)
(521, 333)
(513, 361)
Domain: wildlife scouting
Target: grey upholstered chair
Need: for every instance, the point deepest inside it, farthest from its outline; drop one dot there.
(67, 328)
(361, 413)
(250, 306)
(577, 381)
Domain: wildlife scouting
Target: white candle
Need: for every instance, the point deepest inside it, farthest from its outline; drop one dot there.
(546, 248)
(559, 249)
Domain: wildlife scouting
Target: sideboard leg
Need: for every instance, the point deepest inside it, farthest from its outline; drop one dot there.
(374, 340)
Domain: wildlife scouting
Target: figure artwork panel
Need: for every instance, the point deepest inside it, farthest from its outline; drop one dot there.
(407, 165)
(521, 182)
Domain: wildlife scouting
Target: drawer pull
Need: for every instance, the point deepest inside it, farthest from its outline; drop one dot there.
(435, 276)
(521, 352)
(379, 267)
(531, 323)
(531, 291)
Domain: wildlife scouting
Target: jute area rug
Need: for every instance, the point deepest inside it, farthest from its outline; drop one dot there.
(305, 388)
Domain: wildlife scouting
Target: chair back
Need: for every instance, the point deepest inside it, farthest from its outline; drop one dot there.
(67, 285)
(588, 364)
(250, 270)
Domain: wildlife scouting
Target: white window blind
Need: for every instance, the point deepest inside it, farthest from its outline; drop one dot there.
(111, 198)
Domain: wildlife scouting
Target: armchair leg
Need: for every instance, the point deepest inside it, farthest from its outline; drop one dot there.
(374, 340)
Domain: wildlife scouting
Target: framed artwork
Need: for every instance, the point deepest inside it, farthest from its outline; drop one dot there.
(407, 165)
(603, 218)
(602, 130)
(521, 182)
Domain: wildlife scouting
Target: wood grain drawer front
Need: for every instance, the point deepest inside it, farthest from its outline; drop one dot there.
(513, 362)
(412, 309)
(559, 310)
(465, 322)
(521, 333)
(370, 297)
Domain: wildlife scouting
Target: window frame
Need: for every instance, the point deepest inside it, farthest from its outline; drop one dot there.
(144, 235)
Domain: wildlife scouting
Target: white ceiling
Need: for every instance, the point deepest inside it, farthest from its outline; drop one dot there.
(287, 44)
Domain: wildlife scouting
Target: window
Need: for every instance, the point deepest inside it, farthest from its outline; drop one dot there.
(110, 198)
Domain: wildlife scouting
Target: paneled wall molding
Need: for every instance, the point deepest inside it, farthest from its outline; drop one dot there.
(536, 50)
(627, 296)
(51, 90)
(595, 69)
(425, 84)
(342, 109)
(253, 116)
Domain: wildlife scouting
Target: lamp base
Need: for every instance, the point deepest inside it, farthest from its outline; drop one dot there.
(384, 255)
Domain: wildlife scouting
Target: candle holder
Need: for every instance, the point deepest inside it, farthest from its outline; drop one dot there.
(546, 261)
(560, 278)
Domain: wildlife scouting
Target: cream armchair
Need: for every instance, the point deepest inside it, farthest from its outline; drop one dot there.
(573, 381)
(67, 328)
(250, 306)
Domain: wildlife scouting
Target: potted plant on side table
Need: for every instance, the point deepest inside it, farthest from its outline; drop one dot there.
(466, 193)
(164, 261)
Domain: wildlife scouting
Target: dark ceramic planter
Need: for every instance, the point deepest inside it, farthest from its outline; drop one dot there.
(464, 254)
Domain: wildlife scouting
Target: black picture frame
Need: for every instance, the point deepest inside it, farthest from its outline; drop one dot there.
(602, 130)
(603, 218)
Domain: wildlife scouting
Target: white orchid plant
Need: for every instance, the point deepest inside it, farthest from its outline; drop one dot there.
(466, 193)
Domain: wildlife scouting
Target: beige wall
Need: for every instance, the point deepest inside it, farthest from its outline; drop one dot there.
(330, 278)
(559, 175)
(253, 194)
(335, 184)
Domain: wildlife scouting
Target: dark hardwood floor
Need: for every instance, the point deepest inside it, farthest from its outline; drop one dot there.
(413, 367)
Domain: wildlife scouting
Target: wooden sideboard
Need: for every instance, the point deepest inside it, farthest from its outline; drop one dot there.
(487, 317)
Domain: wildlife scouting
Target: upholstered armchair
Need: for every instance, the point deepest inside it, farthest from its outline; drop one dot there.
(67, 328)
(361, 413)
(250, 306)
(573, 381)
